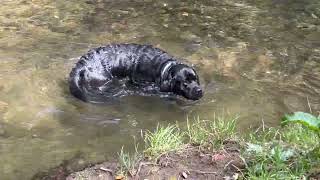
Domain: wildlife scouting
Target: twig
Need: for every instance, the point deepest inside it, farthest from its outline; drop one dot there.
(228, 164)
(238, 169)
(106, 170)
(143, 164)
(202, 172)
(243, 160)
(257, 130)
(309, 105)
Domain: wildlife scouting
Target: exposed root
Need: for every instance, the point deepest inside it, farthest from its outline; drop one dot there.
(144, 164)
(106, 170)
(202, 172)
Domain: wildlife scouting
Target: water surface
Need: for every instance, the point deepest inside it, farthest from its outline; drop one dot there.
(256, 59)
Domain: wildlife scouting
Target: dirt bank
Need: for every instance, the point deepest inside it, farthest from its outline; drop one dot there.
(191, 162)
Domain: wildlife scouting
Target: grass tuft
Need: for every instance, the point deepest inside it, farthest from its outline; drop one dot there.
(128, 162)
(299, 136)
(162, 140)
(214, 132)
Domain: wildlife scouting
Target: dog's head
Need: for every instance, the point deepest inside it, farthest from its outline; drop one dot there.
(184, 81)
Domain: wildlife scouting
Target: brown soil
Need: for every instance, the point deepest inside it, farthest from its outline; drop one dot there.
(189, 163)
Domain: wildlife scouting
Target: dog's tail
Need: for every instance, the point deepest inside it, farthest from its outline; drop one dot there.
(76, 81)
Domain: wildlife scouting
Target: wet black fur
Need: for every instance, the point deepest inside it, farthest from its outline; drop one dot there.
(142, 64)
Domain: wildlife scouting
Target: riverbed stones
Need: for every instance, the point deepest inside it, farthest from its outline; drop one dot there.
(189, 36)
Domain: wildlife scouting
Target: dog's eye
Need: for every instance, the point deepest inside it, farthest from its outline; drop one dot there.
(190, 78)
(185, 84)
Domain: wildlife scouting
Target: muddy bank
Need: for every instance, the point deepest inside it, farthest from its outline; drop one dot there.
(192, 162)
(207, 150)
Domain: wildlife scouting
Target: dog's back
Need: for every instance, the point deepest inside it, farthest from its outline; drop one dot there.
(76, 80)
(141, 63)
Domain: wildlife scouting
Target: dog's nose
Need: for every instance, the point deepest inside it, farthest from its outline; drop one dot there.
(198, 92)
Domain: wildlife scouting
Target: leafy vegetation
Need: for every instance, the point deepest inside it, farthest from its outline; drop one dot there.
(306, 119)
(289, 152)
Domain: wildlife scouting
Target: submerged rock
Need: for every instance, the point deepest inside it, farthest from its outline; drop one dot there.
(3, 106)
(189, 36)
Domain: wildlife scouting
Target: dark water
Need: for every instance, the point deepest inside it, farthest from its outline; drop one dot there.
(258, 59)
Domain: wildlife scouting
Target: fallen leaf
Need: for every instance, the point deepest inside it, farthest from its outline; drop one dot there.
(120, 177)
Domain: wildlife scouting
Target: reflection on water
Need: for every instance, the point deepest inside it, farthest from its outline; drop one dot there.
(258, 59)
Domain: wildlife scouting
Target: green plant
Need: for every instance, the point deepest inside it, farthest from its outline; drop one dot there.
(307, 120)
(162, 140)
(128, 162)
(287, 153)
(274, 160)
(299, 137)
(214, 132)
(197, 132)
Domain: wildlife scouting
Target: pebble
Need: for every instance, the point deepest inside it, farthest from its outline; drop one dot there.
(185, 14)
(189, 36)
(184, 175)
(192, 47)
(314, 16)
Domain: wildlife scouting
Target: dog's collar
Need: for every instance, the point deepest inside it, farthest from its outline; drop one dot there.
(166, 68)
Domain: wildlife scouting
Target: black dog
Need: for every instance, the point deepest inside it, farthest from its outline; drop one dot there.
(142, 64)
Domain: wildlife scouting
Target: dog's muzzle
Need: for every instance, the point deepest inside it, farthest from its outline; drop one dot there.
(196, 93)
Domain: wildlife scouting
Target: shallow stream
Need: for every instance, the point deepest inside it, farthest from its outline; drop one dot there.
(257, 59)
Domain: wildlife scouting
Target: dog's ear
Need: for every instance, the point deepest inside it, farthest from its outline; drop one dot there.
(166, 85)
